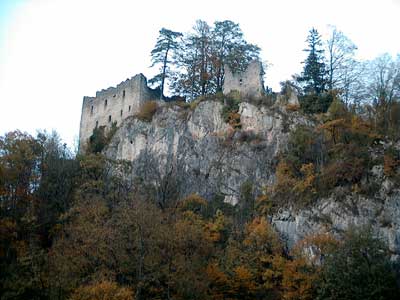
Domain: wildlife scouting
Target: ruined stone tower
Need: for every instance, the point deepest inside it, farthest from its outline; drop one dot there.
(113, 105)
(249, 83)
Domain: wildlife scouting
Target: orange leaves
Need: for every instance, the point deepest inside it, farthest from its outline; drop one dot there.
(243, 280)
(307, 183)
(390, 165)
(194, 203)
(220, 283)
(234, 120)
(261, 238)
(147, 110)
(298, 280)
(104, 290)
(335, 129)
(284, 175)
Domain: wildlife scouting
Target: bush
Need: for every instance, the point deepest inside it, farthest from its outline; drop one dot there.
(314, 103)
(194, 203)
(100, 138)
(249, 136)
(359, 269)
(102, 291)
(304, 146)
(231, 107)
(147, 111)
(347, 165)
(391, 162)
(292, 107)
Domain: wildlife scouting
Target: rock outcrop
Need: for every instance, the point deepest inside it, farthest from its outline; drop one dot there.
(201, 153)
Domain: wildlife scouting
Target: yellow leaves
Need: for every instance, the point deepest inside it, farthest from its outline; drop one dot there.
(314, 247)
(298, 280)
(147, 110)
(303, 186)
(194, 203)
(308, 181)
(234, 120)
(215, 230)
(284, 175)
(292, 107)
(263, 204)
(243, 275)
(104, 290)
(261, 237)
(215, 274)
(335, 128)
(273, 276)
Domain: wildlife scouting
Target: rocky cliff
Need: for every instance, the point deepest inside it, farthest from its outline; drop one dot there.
(193, 148)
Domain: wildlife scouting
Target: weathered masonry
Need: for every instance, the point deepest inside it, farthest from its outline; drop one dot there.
(248, 83)
(113, 105)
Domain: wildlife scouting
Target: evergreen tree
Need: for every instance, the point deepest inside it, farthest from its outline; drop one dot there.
(313, 77)
(167, 42)
(359, 269)
(314, 67)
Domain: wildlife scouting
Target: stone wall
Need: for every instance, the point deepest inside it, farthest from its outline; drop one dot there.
(249, 83)
(113, 105)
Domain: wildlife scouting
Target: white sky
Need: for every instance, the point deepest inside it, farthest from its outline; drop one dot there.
(54, 52)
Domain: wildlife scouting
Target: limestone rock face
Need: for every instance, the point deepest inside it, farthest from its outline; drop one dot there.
(203, 152)
(204, 155)
(335, 215)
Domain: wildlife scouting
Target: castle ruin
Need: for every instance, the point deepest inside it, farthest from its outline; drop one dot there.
(248, 83)
(114, 105)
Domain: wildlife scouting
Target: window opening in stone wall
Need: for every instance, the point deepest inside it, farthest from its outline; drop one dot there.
(129, 108)
(109, 118)
(123, 93)
(240, 81)
(105, 103)
(121, 112)
(97, 123)
(91, 110)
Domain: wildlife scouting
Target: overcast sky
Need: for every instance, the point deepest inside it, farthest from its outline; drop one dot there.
(54, 52)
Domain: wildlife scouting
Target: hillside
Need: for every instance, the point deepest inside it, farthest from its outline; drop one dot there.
(195, 151)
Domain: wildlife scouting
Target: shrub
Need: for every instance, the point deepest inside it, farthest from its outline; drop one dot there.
(233, 119)
(292, 107)
(102, 291)
(249, 136)
(342, 172)
(194, 203)
(304, 146)
(147, 111)
(231, 107)
(360, 268)
(391, 162)
(100, 138)
(314, 103)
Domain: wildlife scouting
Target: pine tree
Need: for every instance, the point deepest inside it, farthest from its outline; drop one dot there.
(313, 77)
(314, 67)
(167, 42)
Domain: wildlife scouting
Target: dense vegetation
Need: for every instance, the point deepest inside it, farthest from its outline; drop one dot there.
(77, 227)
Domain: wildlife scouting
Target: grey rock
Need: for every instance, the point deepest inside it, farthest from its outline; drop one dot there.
(205, 156)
